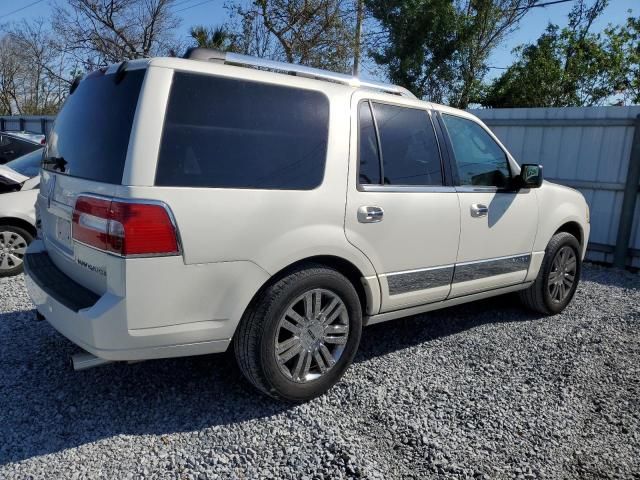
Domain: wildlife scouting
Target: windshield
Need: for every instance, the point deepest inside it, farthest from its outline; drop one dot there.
(90, 137)
(27, 165)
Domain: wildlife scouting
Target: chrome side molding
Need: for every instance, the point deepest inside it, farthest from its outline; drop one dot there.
(432, 277)
(413, 280)
(476, 270)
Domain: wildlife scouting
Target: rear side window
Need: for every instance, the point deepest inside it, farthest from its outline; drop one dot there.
(369, 172)
(90, 136)
(12, 147)
(232, 133)
(409, 149)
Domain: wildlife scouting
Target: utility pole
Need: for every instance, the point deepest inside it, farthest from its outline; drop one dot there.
(358, 38)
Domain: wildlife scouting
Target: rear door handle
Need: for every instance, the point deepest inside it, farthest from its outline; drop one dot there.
(479, 210)
(370, 214)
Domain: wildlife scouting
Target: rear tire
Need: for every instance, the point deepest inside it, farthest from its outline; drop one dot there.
(13, 245)
(558, 277)
(300, 334)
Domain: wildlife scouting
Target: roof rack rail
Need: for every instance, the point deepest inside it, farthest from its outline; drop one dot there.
(229, 58)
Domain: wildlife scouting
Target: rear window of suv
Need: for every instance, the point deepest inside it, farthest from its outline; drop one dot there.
(231, 133)
(90, 136)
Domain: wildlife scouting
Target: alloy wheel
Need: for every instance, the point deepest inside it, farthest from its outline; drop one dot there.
(563, 274)
(311, 335)
(12, 249)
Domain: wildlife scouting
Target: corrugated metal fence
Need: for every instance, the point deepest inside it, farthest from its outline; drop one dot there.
(34, 124)
(593, 149)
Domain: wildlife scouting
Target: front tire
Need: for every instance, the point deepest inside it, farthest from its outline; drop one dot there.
(558, 277)
(300, 334)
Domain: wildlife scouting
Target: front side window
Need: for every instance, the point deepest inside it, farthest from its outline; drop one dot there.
(480, 160)
(230, 133)
(408, 147)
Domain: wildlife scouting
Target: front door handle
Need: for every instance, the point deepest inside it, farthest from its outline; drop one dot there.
(370, 214)
(479, 210)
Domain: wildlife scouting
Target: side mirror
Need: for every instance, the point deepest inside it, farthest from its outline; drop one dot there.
(530, 176)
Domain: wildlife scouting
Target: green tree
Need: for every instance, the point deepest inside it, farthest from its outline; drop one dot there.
(625, 42)
(438, 49)
(572, 66)
(559, 70)
(217, 38)
(532, 80)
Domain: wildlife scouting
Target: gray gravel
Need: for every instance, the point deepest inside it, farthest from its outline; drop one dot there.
(484, 390)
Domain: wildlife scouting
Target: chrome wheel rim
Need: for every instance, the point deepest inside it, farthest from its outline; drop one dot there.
(563, 274)
(12, 249)
(311, 335)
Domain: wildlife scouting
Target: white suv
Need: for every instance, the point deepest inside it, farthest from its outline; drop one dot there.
(279, 209)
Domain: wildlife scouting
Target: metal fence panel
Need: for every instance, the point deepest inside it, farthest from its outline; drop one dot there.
(27, 123)
(587, 148)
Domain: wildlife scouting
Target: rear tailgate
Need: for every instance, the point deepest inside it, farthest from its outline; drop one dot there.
(87, 266)
(86, 154)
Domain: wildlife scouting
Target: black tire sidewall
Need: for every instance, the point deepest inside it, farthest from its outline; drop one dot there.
(563, 241)
(24, 234)
(281, 385)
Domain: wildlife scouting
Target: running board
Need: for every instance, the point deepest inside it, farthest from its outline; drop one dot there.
(407, 312)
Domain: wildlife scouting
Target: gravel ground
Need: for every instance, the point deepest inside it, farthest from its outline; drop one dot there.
(484, 390)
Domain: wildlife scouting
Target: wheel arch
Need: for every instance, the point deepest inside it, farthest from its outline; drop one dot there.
(367, 298)
(20, 223)
(574, 229)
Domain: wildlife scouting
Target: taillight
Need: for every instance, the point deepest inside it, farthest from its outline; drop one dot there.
(124, 228)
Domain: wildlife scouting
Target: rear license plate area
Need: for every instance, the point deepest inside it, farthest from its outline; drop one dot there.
(63, 232)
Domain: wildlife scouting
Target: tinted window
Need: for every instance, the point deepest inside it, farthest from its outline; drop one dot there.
(229, 133)
(90, 136)
(410, 154)
(480, 160)
(369, 172)
(27, 165)
(13, 147)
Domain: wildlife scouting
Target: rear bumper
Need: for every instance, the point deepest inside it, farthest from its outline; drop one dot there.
(102, 325)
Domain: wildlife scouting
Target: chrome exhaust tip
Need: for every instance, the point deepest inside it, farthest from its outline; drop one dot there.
(85, 360)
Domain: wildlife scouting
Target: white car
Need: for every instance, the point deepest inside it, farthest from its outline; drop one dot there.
(16, 144)
(226, 200)
(19, 181)
(37, 138)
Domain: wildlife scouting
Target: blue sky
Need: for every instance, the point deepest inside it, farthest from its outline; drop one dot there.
(212, 12)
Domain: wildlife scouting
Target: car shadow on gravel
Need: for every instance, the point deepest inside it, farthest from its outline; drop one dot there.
(418, 329)
(45, 407)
